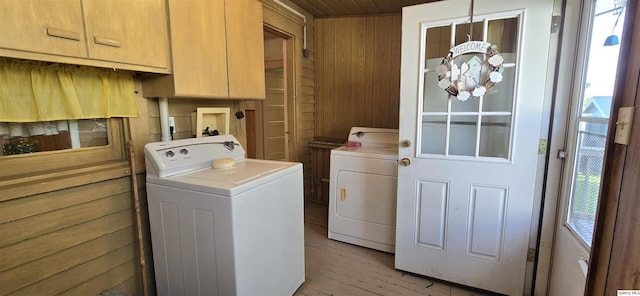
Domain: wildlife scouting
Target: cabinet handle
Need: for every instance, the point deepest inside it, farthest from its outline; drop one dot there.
(53, 32)
(106, 41)
(343, 194)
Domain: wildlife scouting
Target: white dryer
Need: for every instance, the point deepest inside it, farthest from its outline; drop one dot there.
(236, 229)
(362, 189)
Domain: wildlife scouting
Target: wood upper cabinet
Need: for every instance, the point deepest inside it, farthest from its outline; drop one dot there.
(132, 32)
(217, 51)
(245, 49)
(43, 26)
(130, 35)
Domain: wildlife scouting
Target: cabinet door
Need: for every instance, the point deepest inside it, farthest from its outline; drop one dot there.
(132, 32)
(198, 48)
(43, 26)
(245, 49)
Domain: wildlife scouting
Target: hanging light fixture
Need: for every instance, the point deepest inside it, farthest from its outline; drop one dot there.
(613, 39)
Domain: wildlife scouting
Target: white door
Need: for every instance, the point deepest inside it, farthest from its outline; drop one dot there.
(589, 84)
(466, 180)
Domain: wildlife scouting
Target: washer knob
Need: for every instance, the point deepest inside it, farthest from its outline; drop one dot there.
(184, 151)
(170, 154)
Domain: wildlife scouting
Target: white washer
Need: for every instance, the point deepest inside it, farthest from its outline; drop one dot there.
(230, 231)
(362, 189)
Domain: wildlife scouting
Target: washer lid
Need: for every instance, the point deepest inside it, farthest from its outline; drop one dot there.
(245, 175)
(369, 151)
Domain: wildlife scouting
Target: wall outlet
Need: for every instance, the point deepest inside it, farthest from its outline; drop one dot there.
(172, 124)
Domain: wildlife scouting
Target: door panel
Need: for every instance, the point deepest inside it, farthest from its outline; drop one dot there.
(466, 198)
(433, 213)
(486, 222)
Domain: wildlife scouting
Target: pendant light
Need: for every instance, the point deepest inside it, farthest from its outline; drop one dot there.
(613, 39)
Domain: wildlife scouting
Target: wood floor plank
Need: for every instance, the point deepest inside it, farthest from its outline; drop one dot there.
(337, 268)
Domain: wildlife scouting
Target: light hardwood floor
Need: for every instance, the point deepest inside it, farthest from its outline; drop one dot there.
(336, 268)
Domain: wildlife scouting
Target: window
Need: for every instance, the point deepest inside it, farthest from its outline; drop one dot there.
(21, 138)
(98, 141)
(592, 119)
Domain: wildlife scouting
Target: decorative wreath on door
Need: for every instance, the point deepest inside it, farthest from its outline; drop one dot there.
(450, 76)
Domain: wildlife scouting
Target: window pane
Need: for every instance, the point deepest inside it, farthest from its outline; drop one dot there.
(434, 98)
(504, 34)
(462, 32)
(434, 132)
(21, 138)
(586, 178)
(438, 43)
(495, 135)
(463, 135)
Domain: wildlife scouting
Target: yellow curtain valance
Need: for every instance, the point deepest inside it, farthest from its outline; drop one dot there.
(35, 91)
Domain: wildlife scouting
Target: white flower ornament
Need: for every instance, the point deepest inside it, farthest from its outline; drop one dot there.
(463, 95)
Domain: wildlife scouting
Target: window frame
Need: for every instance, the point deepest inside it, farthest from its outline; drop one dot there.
(25, 170)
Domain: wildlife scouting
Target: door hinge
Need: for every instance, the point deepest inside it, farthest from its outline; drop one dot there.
(531, 254)
(623, 125)
(556, 21)
(542, 146)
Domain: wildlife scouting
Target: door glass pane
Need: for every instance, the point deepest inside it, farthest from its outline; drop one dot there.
(590, 132)
(504, 34)
(463, 135)
(434, 129)
(437, 45)
(500, 99)
(434, 99)
(462, 32)
(495, 136)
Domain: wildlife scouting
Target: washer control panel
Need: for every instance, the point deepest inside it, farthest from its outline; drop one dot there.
(165, 159)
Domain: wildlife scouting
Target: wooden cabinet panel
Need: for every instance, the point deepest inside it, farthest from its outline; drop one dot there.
(43, 26)
(127, 31)
(198, 50)
(122, 34)
(245, 49)
(217, 51)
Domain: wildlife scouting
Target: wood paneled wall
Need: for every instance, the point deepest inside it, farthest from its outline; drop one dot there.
(358, 73)
(77, 241)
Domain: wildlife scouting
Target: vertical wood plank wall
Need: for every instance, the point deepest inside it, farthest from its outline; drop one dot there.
(358, 73)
